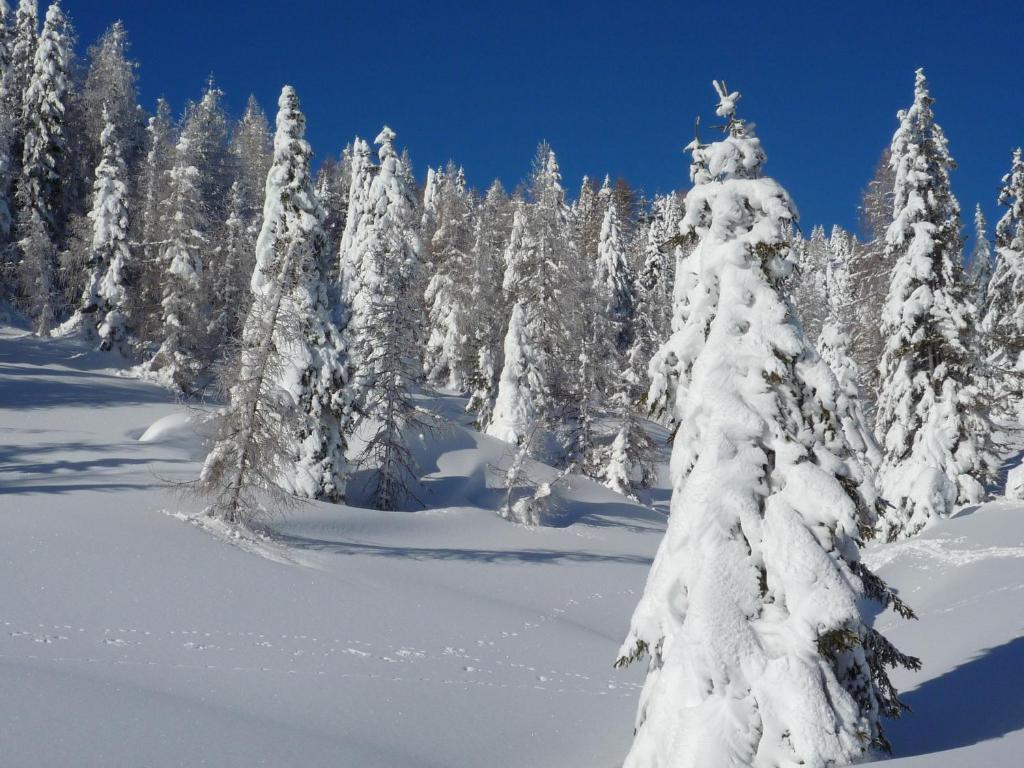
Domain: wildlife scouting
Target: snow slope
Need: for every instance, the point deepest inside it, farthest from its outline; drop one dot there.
(129, 635)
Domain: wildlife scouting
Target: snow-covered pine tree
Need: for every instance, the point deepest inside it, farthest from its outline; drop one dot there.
(385, 325)
(149, 226)
(45, 152)
(523, 394)
(354, 240)
(930, 420)
(489, 311)
(752, 616)
(104, 304)
(249, 157)
(21, 52)
(6, 38)
(448, 359)
(332, 188)
(6, 130)
(585, 326)
(1003, 323)
(810, 294)
(614, 280)
(981, 266)
(625, 465)
(184, 223)
(44, 161)
(834, 346)
(286, 417)
(109, 93)
(653, 319)
(538, 261)
(516, 411)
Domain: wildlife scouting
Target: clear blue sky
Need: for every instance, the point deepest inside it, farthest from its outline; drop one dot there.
(614, 86)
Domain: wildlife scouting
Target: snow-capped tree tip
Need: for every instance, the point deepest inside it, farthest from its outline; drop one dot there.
(385, 138)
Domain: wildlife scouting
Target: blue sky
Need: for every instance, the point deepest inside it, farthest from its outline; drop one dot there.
(613, 86)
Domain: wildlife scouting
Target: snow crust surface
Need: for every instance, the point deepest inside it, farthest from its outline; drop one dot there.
(134, 633)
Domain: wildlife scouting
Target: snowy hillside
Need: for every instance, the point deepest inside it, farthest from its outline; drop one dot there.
(446, 637)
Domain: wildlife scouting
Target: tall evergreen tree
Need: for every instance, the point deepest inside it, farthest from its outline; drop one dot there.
(653, 321)
(810, 294)
(448, 357)
(178, 360)
(1003, 323)
(981, 265)
(45, 161)
(385, 325)
(934, 456)
(104, 303)
(21, 51)
(149, 225)
(286, 418)
(537, 276)
(248, 162)
(752, 614)
(45, 166)
(489, 312)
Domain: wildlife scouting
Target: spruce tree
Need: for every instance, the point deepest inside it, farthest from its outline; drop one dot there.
(21, 51)
(652, 324)
(45, 153)
(523, 395)
(447, 357)
(1003, 323)
(810, 294)
(177, 361)
(384, 328)
(149, 225)
(45, 167)
(104, 304)
(489, 312)
(981, 265)
(930, 419)
(752, 614)
(286, 417)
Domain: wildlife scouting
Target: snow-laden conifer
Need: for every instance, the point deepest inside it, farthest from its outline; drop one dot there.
(981, 263)
(284, 423)
(1004, 318)
(385, 324)
(21, 52)
(489, 312)
(149, 224)
(537, 276)
(614, 279)
(45, 106)
(448, 358)
(810, 293)
(105, 303)
(183, 222)
(522, 394)
(752, 613)
(930, 419)
(652, 323)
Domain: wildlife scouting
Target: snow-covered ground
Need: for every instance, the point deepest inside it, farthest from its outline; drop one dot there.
(131, 636)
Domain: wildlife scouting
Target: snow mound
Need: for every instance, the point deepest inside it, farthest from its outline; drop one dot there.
(174, 425)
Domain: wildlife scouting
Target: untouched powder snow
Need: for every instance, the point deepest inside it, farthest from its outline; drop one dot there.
(133, 634)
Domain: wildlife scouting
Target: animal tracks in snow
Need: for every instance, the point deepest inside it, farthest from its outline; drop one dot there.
(299, 654)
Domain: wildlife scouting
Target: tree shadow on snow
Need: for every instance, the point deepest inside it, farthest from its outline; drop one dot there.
(540, 556)
(977, 701)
